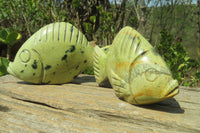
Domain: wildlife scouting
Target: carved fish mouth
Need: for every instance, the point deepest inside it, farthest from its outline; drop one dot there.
(172, 88)
(10, 71)
(173, 92)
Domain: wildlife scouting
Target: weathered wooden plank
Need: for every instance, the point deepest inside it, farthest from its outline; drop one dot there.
(82, 106)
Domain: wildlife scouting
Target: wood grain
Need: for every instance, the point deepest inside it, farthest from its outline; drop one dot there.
(82, 106)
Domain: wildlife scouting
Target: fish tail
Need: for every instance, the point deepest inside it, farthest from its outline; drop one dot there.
(99, 65)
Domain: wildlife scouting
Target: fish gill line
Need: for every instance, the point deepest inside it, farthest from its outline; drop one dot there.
(126, 41)
(35, 38)
(42, 65)
(59, 32)
(53, 31)
(47, 28)
(131, 68)
(139, 56)
(138, 45)
(82, 40)
(131, 50)
(65, 31)
(87, 43)
(40, 34)
(123, 43)
(119, 48)
(77, 37)
(72, 32)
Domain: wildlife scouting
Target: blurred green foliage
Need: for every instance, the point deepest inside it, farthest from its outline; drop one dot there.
(9, 38)
(27, 16)
(93, 19)
(89, 71)
(106, 25)
(76, 3)
(87, 27)
(178, 60)
(3, 66)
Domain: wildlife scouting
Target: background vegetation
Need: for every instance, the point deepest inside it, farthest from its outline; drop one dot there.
(172, 26)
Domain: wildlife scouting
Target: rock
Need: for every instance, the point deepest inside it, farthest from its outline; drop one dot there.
(82, 106)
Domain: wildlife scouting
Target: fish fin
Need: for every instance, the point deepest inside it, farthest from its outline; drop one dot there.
(120, 86)
(99, 65)
(129, 44)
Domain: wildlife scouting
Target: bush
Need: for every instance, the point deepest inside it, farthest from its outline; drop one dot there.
(178, 60)
(3, 66)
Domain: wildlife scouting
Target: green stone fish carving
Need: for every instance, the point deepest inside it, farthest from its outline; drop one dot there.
(55, 54)
(135, 70)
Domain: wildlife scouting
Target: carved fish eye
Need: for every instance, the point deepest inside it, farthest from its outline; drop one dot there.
(25, 56)
(151, 74)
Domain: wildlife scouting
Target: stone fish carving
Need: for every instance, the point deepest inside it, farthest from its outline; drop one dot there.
(135, 70)
(55, 54)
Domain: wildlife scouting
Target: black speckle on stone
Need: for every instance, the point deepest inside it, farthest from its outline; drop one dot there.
(85, 61)
(64, 57)
(82, 52)
(25, 65)
(105, 49)
(34, 65)
(21, 71)
(33, 74)
(47, 67)
(77, 66)
(72, 49)
(54, 73)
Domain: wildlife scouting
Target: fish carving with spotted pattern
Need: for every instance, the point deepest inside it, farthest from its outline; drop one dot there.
(55, 54)
(134, 69)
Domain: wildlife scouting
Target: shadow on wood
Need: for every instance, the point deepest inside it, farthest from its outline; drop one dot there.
(169, 105)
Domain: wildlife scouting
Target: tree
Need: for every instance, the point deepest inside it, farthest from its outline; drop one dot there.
(198, 29)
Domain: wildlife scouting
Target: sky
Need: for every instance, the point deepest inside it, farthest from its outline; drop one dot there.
(119, 1)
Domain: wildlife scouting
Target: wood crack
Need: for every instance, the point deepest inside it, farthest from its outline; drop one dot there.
(37, 103)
